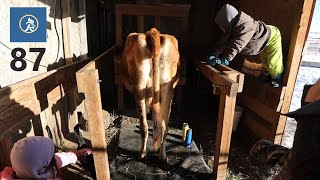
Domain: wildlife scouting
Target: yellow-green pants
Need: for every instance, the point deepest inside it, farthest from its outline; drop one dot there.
(271, 56)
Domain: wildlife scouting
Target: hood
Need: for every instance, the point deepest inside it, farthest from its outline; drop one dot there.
(225, 16)
(31, 157)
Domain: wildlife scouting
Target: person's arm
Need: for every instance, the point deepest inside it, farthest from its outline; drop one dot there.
(240, 37)
(65, 158)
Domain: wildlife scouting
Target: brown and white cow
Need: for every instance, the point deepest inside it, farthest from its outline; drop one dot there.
(150, 70)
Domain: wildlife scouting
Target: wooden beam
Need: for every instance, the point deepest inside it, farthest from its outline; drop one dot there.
(265, 112)
(228, 89)
(262, 91)
(140, 22)
(223, 136)
(297, 43)
(153, 10)
(68, 57)
(228, 71)
(225, 84)
(118, 27)
(89, 84)
(157, 19)
(66, 31)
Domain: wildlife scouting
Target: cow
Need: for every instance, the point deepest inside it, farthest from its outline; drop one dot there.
(149, 69)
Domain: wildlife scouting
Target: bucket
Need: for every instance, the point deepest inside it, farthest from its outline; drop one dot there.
(237, 116)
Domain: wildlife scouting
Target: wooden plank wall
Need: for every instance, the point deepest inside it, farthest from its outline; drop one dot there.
(25, 100)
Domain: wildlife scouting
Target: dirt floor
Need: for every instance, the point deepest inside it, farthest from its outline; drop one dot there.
(200, 111)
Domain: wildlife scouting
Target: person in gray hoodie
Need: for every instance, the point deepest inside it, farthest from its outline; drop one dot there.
(35, 158)
(243, 34)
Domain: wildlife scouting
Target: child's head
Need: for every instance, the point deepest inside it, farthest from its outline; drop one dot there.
(225, 17)
(31, 157)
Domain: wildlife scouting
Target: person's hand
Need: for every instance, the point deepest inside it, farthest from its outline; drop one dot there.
(216, 60)
(224, 61)
(83, 152)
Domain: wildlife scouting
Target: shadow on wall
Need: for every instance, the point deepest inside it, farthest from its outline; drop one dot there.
(77, 9)
(13, 116)
(99, 19)
(20, 109)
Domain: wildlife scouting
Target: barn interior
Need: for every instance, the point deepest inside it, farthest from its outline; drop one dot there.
(80, 85)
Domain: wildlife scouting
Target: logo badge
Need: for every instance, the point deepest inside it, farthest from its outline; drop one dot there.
(28, 24)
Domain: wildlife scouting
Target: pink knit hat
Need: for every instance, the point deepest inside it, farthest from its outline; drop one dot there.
(31, 156)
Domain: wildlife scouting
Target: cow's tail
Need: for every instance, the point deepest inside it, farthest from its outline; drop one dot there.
(154, 44)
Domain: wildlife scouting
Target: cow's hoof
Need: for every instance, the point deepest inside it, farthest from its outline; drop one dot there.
(143, 155)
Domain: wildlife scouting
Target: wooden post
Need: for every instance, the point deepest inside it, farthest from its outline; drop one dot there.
(68, 57)
(298, 39)
(157, 20)
(119, 43)
(140, 19)
(224, 128)
(66, 24)
(118, 27)
(226, 81)
(88, 83)
(223, 136)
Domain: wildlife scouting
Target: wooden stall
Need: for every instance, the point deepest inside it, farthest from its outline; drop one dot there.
(80, 81)
(227, 82)
(23, 101)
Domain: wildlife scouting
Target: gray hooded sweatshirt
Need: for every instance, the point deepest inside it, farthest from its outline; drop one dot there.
(242, 35)
(31, 157)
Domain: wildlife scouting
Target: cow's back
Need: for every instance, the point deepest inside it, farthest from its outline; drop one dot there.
(169, 59)
(136, 61)
(136, 64)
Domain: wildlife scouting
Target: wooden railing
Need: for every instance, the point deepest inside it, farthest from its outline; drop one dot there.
(227, 83)
(24, 100)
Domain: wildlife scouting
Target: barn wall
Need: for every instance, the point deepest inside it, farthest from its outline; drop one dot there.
(50, 59)
(9, 76)
(56, 117)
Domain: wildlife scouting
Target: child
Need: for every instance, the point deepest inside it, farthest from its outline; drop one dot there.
(243, 34)
(35, 158)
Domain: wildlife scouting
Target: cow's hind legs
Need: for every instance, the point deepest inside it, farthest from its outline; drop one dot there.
(141, 108)
(166, 99)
